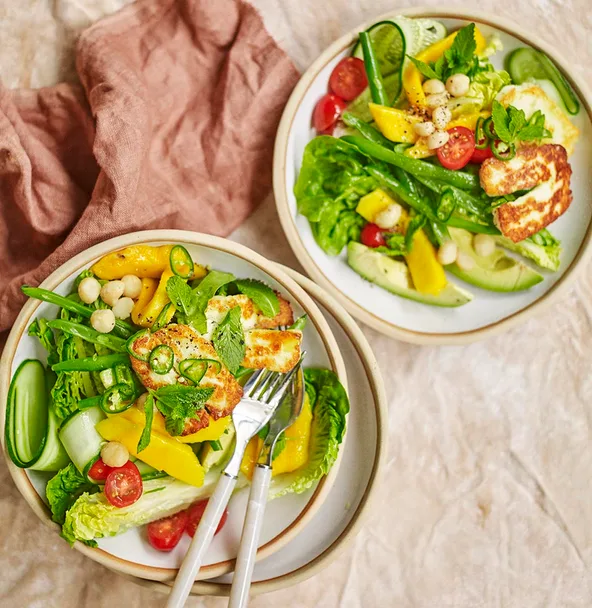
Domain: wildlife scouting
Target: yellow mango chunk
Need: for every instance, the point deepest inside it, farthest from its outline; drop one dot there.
(158, 301)
(213, 431)
(395, 124)
(148, 290)
(162, 453)
(144, 261)
(373, 203)
(295, 453)
(412, 77)
(426, 272)
(468, 120)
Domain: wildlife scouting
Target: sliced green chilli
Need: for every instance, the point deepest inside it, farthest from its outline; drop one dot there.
(141, 356)
(117, 398)
(161, 319)
(489, 128)
(195, 369)
(481, 137)
(446, 205)
(161, 359)
(503, 150)
(181, 262)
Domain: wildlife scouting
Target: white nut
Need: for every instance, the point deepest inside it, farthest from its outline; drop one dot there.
(89, 289)
(483, 245)
(103, 320)
(132, 286)
(447, 253)
(441, 117)
(424, 129)
(438, 139)
(436, 100)
(433, 86)
(112, 291)
(123, 308)
(388, 217)
(114, 454)
(464, 261)
(458, 85)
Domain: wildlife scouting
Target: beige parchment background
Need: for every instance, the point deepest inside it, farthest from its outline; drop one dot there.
(487, 496)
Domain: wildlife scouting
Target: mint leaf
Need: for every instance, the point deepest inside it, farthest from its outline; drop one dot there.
(459, 56)
(424, 68)
(263, 296)
(501, 121)
(181, 295)
(149, 412)
(517, 120)
(416, 223)
(229, 340)
(177, 403)
(203, 293)
(395, 245)
(534, 128)
(439, 67)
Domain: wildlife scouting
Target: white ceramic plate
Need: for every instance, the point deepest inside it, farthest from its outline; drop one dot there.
(392, 315)
(343, 512)
(130, 553)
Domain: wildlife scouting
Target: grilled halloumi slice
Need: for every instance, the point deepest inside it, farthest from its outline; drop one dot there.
(251, 315)
(278, 351)
(544, 171)
(530, 98)
(188, 344)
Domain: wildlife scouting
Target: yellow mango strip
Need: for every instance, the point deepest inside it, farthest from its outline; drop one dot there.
(412, 77)
(394, 124)
(426, 272)
(420, 149)
(373, 203)
(162, 453)
(144, 261)
(148, 290)
(213, 431)
(250, 457)
(158, 301)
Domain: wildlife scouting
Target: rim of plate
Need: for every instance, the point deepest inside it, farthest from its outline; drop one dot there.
(342, 542)
(295, 292)
(289, 226)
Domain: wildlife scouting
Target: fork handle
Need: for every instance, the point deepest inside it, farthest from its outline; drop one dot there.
(245, 561)
(201, 541)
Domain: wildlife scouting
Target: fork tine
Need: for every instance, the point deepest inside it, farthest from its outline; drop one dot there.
(285, 384)
(269, 389)
(253, 382)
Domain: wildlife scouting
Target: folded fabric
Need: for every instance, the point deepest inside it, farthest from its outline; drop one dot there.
(174, 127)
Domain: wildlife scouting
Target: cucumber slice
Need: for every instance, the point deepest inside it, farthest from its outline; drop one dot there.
(147, 472)
(80, 438)
(420, 33)
(389, 45)
(27, 413)
(527, 64)
(53, 457)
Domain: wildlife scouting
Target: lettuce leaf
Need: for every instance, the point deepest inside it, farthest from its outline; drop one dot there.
(63, 489)
(330, 406)
(485, 85)
(331, 181)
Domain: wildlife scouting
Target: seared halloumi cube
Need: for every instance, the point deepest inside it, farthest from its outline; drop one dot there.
(530, 98)
(276, 350)
(544, 171)
(188, 344)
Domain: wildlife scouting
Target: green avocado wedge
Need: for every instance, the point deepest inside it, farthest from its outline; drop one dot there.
(393, 276)
(495, 272)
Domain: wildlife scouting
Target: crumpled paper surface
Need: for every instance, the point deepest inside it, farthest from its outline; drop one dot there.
(485, 500)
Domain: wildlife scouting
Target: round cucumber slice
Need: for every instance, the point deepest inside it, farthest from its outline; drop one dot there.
(420, 33)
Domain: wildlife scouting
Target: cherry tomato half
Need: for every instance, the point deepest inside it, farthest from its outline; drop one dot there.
(372, 236)
(164, 534)
(99, 470)
(348, 78)
(328, 109)
(479, 156)
(195, 513)
(457, 151)
(123, 485)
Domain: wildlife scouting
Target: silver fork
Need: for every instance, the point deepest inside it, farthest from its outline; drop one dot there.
(262, 394)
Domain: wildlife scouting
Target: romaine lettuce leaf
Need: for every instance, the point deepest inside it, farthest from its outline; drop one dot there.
(330, 406)
(331, 181)
(485, 85)
(63, 489)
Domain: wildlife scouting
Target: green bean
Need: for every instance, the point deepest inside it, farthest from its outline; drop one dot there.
(417, 168)
(91, 364)
(466, 201)
(122, 328)
(377, 89)
(299, 323)
(459, 222)
(89, 334)
(366, 130)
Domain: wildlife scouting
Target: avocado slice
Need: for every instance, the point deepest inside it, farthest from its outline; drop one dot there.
(394, 276)
(495, 272)
(209, 457)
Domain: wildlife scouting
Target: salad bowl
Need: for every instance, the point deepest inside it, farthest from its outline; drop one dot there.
(474, 311)
(129, 552)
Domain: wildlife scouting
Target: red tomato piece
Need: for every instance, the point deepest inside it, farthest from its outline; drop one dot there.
(164, 534)
(457, 151)
(372, 236)
(195, 513)
(348, 78)
(99, 470)
(328, 109)
(123, 485)
(479, 155)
